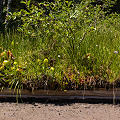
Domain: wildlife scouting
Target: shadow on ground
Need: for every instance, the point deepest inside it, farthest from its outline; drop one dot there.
(60, 102)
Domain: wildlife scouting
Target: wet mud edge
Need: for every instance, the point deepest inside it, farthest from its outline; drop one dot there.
(49, 96)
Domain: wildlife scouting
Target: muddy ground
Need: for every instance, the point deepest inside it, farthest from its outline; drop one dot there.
(58, 111)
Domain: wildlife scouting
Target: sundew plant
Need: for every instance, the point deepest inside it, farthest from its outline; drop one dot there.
(61, 45)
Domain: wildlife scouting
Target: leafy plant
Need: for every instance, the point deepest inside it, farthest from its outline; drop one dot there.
(62, 45)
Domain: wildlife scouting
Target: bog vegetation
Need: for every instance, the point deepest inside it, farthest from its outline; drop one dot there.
(61, 45)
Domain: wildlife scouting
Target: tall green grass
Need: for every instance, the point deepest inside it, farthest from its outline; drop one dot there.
(75, 47)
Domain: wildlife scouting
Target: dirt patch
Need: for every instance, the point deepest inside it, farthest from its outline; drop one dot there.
(58, 111)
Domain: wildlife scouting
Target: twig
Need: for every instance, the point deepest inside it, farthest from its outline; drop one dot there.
(113, 94)
(83, 37)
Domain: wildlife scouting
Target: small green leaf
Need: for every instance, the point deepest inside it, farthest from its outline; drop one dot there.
(23, 2)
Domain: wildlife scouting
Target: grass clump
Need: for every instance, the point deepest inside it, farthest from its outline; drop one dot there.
(73, 46)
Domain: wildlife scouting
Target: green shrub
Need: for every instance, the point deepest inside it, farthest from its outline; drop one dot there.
(74, 46)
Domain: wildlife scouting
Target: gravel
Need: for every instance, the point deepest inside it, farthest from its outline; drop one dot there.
(58, 111)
